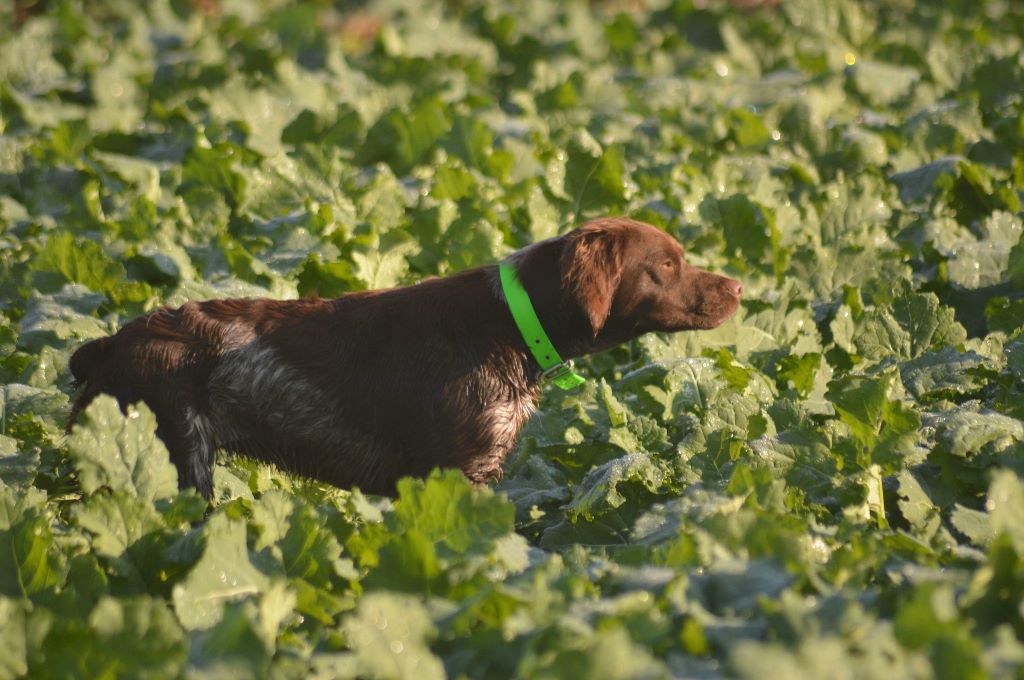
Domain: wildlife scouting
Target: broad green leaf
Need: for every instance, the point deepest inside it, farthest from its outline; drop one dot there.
(402, 138)
(1004, 315)
(975, 525)
(121, 452)
(296, 537)
(17, 468)
(53, 320)
(376, 269)
(447, 509)
(30, 561)
(538, 482)
(599, 490)
(222, 575)
(800, 371)
(410, 563)
(214, 167)
(915, 504)
(389, 636)
(99, 646)
(594, 179)
(234, 646)
(928, 620)
(66, 260)
(919, 183)
(883, 83)
(747, 129)
(965, 432)
(802, 457)
(914, 324)
(1005, 505)
(13, 642)
(944, 372)
(983, 261)
(610, 653)
(116, 521)
(748, 227)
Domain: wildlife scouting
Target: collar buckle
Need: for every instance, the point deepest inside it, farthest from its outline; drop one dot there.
(563, 375)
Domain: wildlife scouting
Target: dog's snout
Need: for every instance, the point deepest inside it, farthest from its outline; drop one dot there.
(734, 287)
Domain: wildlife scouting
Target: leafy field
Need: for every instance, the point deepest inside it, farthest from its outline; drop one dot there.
(830, 485)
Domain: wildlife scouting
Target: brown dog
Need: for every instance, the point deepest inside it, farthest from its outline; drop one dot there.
(372, 386)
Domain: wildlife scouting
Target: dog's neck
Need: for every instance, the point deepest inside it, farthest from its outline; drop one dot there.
(565, 323)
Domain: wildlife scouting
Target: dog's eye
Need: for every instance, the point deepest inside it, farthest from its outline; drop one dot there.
(668, 264)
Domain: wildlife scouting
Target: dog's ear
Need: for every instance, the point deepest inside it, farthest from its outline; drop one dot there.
(591, 268)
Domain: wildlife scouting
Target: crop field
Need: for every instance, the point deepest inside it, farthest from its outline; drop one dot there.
(830, 485)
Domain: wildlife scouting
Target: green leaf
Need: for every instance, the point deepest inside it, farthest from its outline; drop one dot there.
(121, 452)
(748, 227)
(215, 168)
(594, 176)
(61, 317)
(450, 511)
(305, 549)
(599, 490)
(234, 646)
(30, 562)
(402, 138)
(66, 260)
(608, 653)
(803, 458)
(1005, 505)
(222, 575)
(389, 637)
(383, 269)
(537, 483)
(929, 620)
(983, 260)
(929, 614)
(17, 468)
(13, 642)
(1004, 315)
(915, 323)
(965, 432)
(860, 403)
(800, 371)
(470, 140)
(920, 183)
(98, 647)
(883, 83)
(116, 520)
(408, 562)
(747, 129)
(946, 372)
(975, 525)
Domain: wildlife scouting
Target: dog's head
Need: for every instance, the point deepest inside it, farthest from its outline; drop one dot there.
(629, 278)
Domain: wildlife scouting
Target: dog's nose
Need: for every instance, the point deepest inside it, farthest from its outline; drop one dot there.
(734, 287)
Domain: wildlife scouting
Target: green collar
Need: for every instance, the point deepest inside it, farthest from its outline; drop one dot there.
(560, 372)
